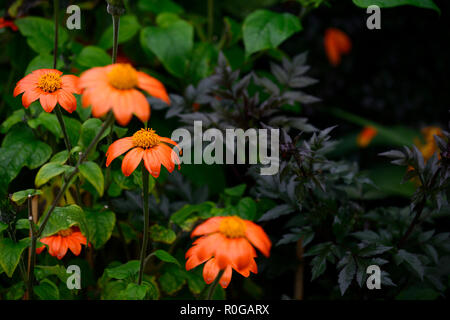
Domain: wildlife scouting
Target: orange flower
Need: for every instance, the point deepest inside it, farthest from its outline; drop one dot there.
(430, 146)
(8, 23)
(226, 243)
(366, 136)
(336, 43)
(58, 244)
(50, 87)
(115, 87)
(146, 145)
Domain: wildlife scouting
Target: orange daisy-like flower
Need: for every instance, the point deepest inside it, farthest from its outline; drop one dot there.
(147, 145)
(59, 243)
(336, 44)
(226, 244)
(115, 87)
(50, 87)
(366, 136)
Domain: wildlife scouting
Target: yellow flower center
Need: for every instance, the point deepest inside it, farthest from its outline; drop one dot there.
(50, 82)
(65, 233)
(146, 138)
(123, 76)
(232, 227)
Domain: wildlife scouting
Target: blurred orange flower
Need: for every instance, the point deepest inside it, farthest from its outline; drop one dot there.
(59, 243)
(147, 145)
(226, 244)
(8, 23)
(115, 87)
(366, 136)
(50, 87)
(430, 146)
(336, 44)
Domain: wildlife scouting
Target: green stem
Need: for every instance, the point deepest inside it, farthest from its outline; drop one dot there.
(64, 131)
(108, 122)
(146, 223)
(55, 50)
(210, 19)
(32, 262)
(213, 286)
(116, 24)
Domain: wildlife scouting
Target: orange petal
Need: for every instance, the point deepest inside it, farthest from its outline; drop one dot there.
(40, 249)
(164, 153)
(141, 108)
(256, 235)
(131, 161)
(67, 100)
(93, 77)
(117, 148)
(226, 278)
(209, 226)
(210, 271)
(30, 96)
(74, 245)
(62, 248)
(48, 101)
(121, 107)
(71, 83)
(152, 162)
(153, 86)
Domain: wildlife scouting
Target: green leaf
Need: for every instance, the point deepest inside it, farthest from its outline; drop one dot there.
(40, 33)
(89, 130)
(181, 216)
(172, 44)
(92, 172)
(265, 29)
(3, 226)
(161, 234)
(135, 291)
(57, 270)
(159, 6)
(23, 224)
(63, 218)
(43, 61)
(236, 191)
(49, 171)
(124, 271)
(101, 225)
(319, 265)
(204, 58)
(166, 257)
(172, 279)
(10, 253)
(92, 56)
(60, 157)
(114, 290)
(195, 281)
(47, 290)
(20, 197)
(128, 28)
(427, 4)
(20, 148)
(246, 209)
(16, 117)
(15, 292)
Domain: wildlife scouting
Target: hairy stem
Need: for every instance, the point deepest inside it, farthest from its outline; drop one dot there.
(146, 223)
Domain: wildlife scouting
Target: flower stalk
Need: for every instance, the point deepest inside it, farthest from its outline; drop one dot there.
(145, 194)
(212, 287)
